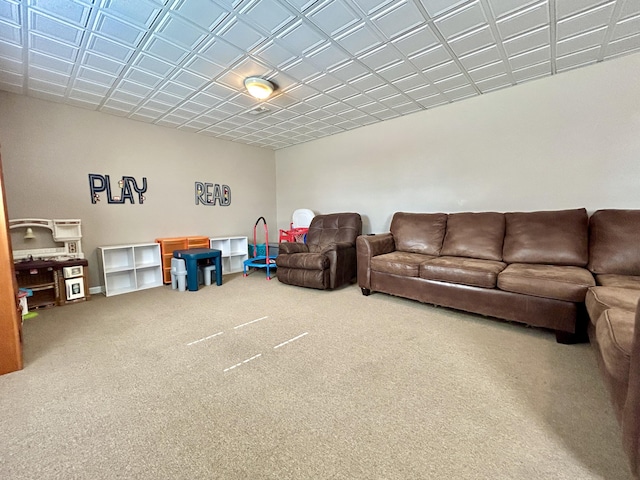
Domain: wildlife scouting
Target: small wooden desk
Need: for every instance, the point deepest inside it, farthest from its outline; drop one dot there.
(191, 258)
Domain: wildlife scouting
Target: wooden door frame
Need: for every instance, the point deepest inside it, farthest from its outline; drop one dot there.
(10, 319)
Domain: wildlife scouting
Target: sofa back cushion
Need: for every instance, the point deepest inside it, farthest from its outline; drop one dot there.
(419, 232)
(553, 238)
(474, 235)
(614, 242)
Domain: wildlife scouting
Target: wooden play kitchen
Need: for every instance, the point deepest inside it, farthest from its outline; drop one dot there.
(56, 274)
(53, 282)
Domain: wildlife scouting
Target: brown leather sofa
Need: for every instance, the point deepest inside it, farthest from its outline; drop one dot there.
(528, 267)
(327, 259)
(614, 316)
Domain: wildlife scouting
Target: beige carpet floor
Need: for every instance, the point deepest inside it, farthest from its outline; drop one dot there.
(259, 380)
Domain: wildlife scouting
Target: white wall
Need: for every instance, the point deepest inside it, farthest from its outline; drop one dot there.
(48, 151)
(567, 141)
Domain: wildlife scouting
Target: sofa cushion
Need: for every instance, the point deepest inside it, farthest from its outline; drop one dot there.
(466, 271)
(307, 261)
(550, 281)
(406, 264)
(599, 299)
(613, 242)
(614, 334)
(552, 238)
(622, 281)
(419, 232)
(474, 235)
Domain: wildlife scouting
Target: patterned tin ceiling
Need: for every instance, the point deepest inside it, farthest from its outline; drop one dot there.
(337, 64)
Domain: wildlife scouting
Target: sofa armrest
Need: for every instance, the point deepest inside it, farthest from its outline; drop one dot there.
(631, 413)
(292, 247)
(367, 247)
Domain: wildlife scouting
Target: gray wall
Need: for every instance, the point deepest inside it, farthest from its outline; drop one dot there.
(571, 140)
(48, 150)
(560, 142)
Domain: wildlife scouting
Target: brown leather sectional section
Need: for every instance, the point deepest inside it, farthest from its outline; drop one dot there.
(544, 269)
(528, 257)
(614, 316)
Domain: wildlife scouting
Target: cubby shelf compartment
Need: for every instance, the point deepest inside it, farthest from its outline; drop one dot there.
(127, 268)
(234, 252)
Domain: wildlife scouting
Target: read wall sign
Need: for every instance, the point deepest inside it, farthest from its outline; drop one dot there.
(211, 194)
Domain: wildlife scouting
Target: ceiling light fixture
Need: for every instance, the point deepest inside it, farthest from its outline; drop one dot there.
(259, 87)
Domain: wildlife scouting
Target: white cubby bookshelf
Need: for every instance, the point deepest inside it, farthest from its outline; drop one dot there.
(127, 268)
(234, 252)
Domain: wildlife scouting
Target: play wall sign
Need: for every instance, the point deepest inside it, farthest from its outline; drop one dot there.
(126, 188)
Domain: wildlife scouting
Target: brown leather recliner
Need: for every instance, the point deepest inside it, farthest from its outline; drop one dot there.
(328, 258)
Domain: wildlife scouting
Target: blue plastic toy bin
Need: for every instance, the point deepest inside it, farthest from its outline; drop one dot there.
(261, 250)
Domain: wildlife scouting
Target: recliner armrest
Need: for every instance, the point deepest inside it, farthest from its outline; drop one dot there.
(292, 247)
(336, 246)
